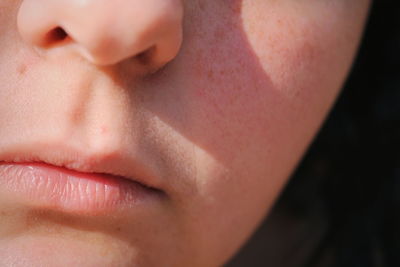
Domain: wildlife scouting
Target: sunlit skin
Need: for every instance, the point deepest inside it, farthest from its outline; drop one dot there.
(216, 100)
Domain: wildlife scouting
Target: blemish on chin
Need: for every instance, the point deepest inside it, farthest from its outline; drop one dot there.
(21, 69)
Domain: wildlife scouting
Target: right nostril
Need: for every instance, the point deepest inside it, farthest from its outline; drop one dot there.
(55, 36)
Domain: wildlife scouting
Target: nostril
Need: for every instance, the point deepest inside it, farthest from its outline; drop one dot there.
(55, 36)
(144, 57)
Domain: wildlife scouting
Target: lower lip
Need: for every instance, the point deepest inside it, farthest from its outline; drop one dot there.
(49, 187)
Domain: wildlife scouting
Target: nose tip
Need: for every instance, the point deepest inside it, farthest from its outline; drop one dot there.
(105, 32)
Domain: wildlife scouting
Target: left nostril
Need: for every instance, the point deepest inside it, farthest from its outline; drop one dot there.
(144, 57)
(55, 36)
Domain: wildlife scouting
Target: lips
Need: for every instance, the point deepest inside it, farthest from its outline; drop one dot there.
(46, 186)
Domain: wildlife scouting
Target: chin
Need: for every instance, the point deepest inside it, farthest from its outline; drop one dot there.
(41, 250)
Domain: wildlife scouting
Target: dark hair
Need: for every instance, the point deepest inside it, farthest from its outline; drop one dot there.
(342, 206)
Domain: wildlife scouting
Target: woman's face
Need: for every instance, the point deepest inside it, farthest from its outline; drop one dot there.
(210, 103)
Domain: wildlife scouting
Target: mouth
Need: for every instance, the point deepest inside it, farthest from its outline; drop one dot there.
(47, 186)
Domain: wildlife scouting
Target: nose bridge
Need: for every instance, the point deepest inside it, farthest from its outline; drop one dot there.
(105, 32)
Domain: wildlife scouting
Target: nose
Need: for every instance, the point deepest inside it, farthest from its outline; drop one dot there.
(105, 32)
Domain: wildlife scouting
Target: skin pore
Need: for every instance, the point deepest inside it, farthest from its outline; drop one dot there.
(216, 99)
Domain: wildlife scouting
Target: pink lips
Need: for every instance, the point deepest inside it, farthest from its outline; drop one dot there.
(51, 187)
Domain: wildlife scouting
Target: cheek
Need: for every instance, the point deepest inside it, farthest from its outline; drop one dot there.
(265, 79)
(257, 87)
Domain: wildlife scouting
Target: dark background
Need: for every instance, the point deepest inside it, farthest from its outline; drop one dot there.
(342, 205)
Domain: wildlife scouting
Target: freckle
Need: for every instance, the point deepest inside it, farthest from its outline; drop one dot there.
(210, 74)
(236, 7)
(201, 6)
(21, 69)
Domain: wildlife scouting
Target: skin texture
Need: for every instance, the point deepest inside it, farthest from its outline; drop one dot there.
(219, 99)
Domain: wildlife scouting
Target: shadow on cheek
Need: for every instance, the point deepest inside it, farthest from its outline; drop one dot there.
(223, 101)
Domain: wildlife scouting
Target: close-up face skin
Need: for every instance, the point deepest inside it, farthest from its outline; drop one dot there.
(160, 132)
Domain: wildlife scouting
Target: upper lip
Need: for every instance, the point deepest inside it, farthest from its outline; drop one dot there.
(112, 163)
